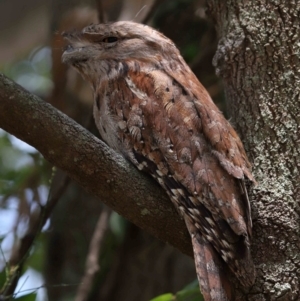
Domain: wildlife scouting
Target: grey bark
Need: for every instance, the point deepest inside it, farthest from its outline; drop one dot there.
(258, 60)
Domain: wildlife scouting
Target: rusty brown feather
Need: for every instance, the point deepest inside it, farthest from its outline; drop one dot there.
(151, 108)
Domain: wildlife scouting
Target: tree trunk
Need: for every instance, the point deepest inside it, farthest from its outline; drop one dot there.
(258, 59)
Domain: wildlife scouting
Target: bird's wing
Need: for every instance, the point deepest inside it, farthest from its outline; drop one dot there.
(227, 145)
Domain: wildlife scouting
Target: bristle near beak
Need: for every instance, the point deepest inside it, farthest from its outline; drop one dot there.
(74, 46)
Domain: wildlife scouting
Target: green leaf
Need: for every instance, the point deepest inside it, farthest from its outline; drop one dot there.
(164, 297)
(2, 278)
(192, 285)
(189, 295)
(118, 226)
(29, 297)
(191, 292)
(36, 260)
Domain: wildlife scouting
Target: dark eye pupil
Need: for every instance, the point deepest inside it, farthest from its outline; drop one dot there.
(110, 39)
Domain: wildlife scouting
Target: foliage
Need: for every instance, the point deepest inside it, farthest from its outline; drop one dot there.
(32, 72)
(190, 293)
(24, 182)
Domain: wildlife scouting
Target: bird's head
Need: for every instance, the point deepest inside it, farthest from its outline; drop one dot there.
(90, 49)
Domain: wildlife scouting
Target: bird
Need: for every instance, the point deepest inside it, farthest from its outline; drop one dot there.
(150, 107)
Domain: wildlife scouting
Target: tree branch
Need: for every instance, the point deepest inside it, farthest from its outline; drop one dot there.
(88, 161)
(22, 248)
(91, 265)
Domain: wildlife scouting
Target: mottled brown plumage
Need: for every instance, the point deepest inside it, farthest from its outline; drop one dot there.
(150, 107)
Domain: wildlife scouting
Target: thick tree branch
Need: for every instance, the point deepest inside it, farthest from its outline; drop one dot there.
(92, 164)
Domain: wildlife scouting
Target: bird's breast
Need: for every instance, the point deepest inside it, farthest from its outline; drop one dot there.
(105, 122)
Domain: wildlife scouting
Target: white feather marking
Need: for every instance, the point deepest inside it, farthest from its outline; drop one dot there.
(225, 243)
(193, 200)
(140, 94)
(122, 125)
(160, 181)
(210, 221)
(159, 173)
(194, 211)
(142, 165)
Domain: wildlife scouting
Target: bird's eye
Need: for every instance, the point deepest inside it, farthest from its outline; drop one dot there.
(110, 39)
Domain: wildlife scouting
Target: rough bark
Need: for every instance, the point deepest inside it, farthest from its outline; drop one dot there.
(258, 59)
(92, 164)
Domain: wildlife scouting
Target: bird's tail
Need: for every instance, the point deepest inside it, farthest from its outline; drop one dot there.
(213, 282)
